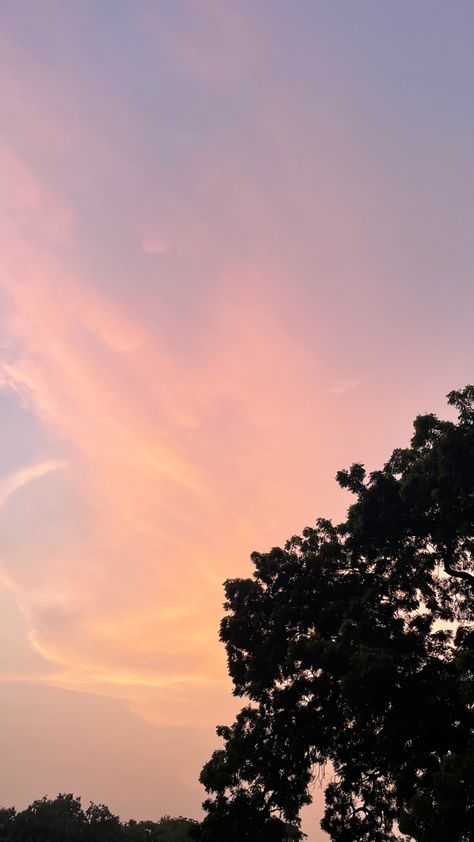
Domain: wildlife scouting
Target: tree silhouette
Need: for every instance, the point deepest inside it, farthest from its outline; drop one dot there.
(63, 820)
(101, 825)
(7, 818)
(354, 645)
(166, 830)
(48, 820)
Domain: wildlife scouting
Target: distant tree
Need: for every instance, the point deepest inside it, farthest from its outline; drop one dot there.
(175, 829)
(48, 820)
(63, 820)
(7, 818)
(167, 829)
(101, 825)
(354, 645)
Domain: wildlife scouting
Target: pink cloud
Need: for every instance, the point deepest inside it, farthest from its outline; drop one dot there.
(182, 468)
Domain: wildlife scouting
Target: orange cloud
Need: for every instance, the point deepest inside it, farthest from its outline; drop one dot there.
(179, 467)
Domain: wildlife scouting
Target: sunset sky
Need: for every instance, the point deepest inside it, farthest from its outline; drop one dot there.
(236, 254)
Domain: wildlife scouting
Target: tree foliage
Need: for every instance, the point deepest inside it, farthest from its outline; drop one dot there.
(63, 819)
(354, 646)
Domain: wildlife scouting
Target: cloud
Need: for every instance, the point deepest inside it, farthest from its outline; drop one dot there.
(191, 413)
(9, 485)
(340, 387)
(177, 470)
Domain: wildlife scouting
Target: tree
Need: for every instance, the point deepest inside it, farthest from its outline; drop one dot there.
(63, 820)
(7, 818)
(354, 645)
(101, 825)
(48, 820)
(167, 829)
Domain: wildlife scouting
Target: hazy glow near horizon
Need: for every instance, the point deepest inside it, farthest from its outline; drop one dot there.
(236, 255)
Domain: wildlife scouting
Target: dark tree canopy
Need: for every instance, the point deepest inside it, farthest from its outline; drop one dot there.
(354, 645)
(63, 819)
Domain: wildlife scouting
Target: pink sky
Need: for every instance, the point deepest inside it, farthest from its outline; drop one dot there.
(235, 256)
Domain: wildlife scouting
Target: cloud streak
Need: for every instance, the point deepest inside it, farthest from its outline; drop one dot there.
(9, 485)
(170, 464)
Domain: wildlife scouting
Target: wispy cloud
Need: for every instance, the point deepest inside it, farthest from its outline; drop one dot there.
(191, 409)
(176, 467)
(9, 485)
(340, 387)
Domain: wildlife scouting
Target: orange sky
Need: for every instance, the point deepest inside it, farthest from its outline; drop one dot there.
(235, 257)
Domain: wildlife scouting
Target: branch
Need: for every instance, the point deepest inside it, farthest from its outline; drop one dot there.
(459, 574)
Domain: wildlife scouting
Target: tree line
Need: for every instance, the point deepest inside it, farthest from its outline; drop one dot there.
(63, 819)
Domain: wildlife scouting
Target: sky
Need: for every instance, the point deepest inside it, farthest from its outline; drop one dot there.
(236, 255)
